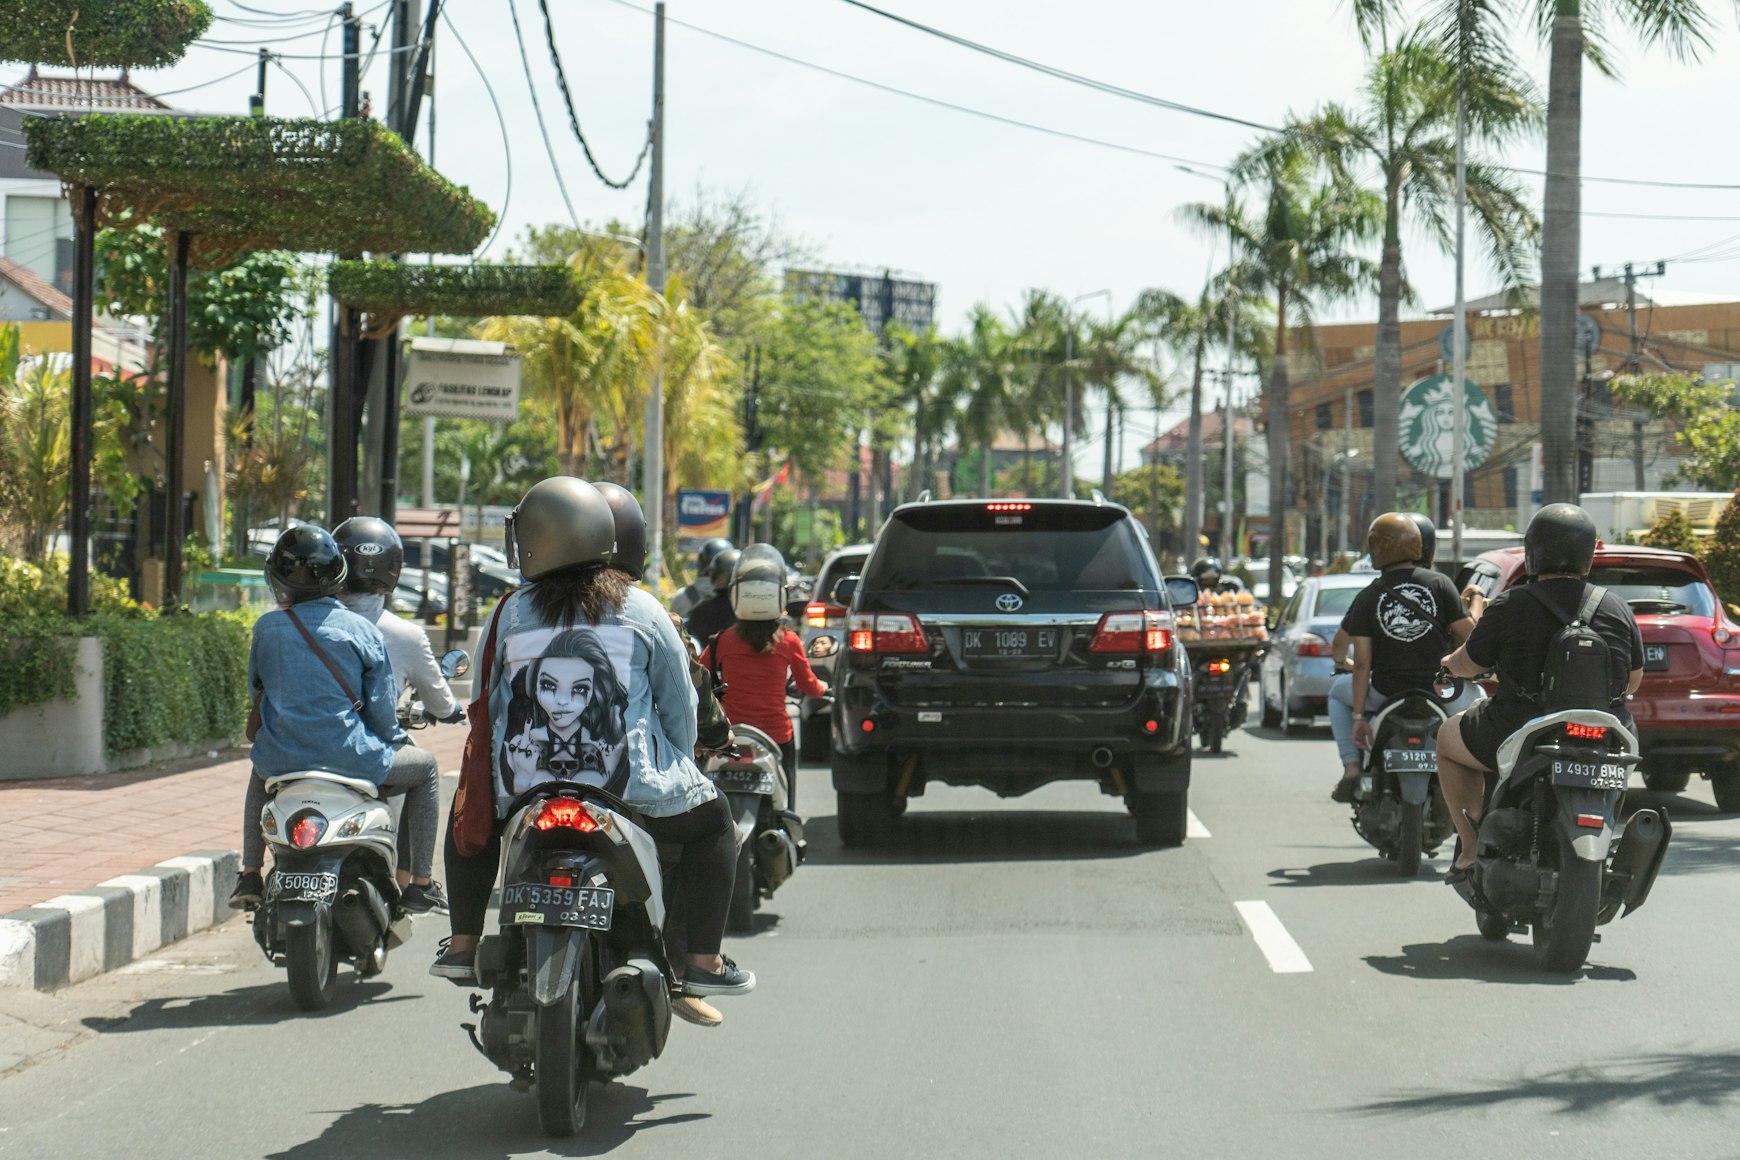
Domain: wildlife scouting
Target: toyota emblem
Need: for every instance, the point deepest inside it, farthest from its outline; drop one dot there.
(1009, 602)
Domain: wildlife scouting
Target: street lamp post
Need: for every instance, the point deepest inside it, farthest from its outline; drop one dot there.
(1068, 473)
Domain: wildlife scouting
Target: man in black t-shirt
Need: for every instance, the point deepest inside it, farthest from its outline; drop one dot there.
(1512, 640)
(1400, 626)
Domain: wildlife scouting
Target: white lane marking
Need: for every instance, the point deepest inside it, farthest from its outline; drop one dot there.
(1284, 955)
(1193, 827)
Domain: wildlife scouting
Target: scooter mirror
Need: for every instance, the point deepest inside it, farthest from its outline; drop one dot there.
(456, 663)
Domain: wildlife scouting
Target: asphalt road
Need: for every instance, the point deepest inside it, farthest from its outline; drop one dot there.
(1015, 978)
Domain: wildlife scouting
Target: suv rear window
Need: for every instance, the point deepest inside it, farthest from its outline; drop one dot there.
(1653, 589)
(1048, 548)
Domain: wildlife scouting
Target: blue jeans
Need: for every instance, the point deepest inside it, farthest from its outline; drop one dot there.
(1341, 712)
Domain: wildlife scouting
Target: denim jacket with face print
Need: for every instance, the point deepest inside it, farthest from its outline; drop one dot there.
(639, 736)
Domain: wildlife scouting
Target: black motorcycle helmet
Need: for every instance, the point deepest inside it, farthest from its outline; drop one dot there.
(709, 552)
(1561, 538)
(630, 554)
(373, 554)
(1428, 538)
(723, 565)
(1206, 565)
(305, 564)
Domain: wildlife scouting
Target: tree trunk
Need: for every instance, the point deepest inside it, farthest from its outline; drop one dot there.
(1193, 454)
(985, 470)
(1387, 364)
(1559, 257)
(1106, 487)
(1278, 433)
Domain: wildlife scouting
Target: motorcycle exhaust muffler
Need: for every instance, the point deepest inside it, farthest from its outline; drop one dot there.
(1637, 856)
(776, 857)
(360, 916)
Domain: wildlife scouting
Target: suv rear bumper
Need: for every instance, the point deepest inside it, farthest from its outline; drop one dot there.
(1692, 748)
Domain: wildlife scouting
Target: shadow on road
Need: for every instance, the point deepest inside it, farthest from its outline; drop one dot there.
(1365, 872)
(242, 1007)
(943, 837)
(1300, 732)
(1672, 1080)
(1471, 958)
(487, 1122)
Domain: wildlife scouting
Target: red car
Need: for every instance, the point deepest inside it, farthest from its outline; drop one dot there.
(1688, 707)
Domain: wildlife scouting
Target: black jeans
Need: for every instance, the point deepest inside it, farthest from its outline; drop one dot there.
(704, 873)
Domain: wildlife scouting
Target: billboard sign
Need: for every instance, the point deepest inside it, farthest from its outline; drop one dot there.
(458, 378)
(702, 515)
(1428, 421)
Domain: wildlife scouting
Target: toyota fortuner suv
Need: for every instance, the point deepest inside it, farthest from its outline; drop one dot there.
(1010, 644)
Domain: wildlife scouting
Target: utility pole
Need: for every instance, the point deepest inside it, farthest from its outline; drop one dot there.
(653, 468)
(1459, 340)
(1633, 365)
(1066, 475)
(1346, 458)
(257, 102)
(341, 440)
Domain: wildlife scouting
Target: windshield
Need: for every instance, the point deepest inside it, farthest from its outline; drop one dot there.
(1046, 550)
(1652, 589)
(1334, 601)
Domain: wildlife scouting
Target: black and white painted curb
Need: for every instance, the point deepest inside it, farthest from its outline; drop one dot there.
(75, 936)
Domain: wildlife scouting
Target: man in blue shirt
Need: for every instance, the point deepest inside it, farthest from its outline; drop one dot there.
(331, 710)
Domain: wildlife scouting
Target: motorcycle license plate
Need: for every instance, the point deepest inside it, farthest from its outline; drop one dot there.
(1655, 657)
(1411, 760)
(300, 887)
(1018, 643)
(535, 904)
(744, 781)
(1591, 774)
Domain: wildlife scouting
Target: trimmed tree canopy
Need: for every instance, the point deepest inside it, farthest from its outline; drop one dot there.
(393, 290)
(262, 183)
(101, 33)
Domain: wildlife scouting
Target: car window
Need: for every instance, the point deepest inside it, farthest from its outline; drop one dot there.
(837, 570)
(1651, 588)
(1291, 612)
(1333, 601)
(1049, 549)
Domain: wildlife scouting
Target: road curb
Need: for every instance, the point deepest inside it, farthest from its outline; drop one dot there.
(75, 936)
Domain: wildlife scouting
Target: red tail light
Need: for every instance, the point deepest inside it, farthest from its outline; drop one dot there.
(1133, 632)
(305, 831)
(887, 632)
(818, 614)
(1585, 732)
(561, 880)
(1219, 667)
(567, 814)
(1591, 821)
(1008, 507)
(1312, 645)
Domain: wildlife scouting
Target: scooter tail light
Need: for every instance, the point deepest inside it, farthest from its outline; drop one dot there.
(565, 814)
(306, 830)
(1585, 732)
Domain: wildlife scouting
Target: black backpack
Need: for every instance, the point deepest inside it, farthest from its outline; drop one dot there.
(1576, 673)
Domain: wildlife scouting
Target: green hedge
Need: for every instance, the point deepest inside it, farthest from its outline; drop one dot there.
(461, 291)
(102, 33)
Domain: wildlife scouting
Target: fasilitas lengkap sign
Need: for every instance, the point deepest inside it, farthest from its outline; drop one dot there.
(461, 378)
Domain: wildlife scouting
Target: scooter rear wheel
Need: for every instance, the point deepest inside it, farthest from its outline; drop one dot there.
(1564, 934)
(312, 967)
(563, 1087)
(740, 918)
(1410, 838)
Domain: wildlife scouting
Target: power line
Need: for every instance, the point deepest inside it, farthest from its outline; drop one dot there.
(934, 101)
(501, 122)
(538, 109)
(297, 81)
(574, 120)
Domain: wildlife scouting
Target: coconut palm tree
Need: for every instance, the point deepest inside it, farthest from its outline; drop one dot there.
(912, 361)
(1108, 357)
(978, 376)
(1402, 137)
(1294, 246)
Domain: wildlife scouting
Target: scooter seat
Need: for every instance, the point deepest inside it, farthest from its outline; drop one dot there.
(366, 788)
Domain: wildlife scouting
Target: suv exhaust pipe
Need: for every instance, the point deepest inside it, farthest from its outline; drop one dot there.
(1101, 757)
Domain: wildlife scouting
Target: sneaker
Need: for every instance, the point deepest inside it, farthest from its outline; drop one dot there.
(693, 1009)
(1344, 790)
(427, 899)
(459, 966)
(250, 889)
(733, 980)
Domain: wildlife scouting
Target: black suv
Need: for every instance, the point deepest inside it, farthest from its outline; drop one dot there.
(1010, 644)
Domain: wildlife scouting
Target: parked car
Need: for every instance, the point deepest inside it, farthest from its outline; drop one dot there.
(1259, 573)
(490, 574)
(823, 629)
(408, 598)
(1688, 707)
(1299, 667)
(1011, 644)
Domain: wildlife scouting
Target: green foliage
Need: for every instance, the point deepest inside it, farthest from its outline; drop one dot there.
(35, 636)
(262, 183)
(1721, 554)
(481, 463)
(1709, 428)
(1156, 492)
(820, 376)
(173, 678)
(102, 33)
(390, 288)
(1674, 532)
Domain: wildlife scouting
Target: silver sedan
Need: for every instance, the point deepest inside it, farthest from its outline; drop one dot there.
(1298, 668)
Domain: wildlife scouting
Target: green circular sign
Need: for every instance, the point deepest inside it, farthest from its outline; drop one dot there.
(1428, 425)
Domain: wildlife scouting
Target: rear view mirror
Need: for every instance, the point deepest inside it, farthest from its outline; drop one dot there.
(455, 664)
(845, 588)
(1182, 591)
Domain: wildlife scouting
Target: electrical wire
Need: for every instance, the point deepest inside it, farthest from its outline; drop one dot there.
(501, 122)
(937, 102)
(538, 109)
(297, 56)
(297, 81)
(574, 119)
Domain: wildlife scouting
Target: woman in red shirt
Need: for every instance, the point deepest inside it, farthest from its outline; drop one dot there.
(757, 655)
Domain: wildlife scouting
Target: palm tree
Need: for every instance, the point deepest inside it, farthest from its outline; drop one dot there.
(912, 362)
(978, 375)
(1404, 135)
(1109, 355)
(1294, 247)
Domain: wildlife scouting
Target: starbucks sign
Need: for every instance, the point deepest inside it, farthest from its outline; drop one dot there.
(1428, 425)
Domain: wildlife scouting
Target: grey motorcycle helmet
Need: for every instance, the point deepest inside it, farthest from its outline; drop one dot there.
(758, 584)
(562, 522)
(1560, 538)
(630, 554)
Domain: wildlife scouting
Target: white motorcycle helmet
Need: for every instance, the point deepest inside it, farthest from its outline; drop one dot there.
(758, 584)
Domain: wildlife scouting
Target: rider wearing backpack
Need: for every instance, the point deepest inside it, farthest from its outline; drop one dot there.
(1556, 642)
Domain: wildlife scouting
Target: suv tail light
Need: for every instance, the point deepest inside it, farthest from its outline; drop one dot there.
(1585, 732)
(820, 615)
(1312, 645)
(566, 814)
(1133, 632)
(886, 632)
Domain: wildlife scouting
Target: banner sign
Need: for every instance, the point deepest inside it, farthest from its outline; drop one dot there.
(458, 378)
(702, 515)
(1428, 422)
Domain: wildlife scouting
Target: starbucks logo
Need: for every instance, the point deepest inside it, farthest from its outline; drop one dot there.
(1428, 425)
(1407, 612)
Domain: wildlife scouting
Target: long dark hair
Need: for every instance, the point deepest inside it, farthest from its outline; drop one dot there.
(759, 635)
(582, 592)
